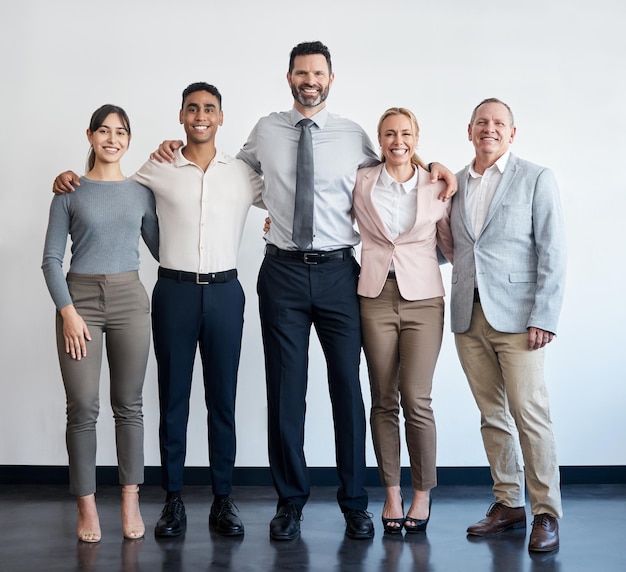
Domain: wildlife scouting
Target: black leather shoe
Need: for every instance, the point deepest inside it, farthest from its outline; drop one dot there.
(223, 518)
(359, 524)
(173, 521)
(286, 522)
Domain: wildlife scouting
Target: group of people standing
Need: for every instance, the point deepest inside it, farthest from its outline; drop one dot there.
(315, 173)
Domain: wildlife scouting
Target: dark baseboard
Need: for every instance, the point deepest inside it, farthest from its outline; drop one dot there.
(320, 476)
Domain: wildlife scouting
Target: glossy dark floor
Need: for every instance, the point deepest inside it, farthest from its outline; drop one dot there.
(38, 533)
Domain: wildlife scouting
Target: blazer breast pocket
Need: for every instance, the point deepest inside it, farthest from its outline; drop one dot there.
(515, 220)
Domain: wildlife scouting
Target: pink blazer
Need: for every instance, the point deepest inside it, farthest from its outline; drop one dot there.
(413, 252)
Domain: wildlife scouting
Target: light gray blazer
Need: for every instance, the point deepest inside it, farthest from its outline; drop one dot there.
(518, 260)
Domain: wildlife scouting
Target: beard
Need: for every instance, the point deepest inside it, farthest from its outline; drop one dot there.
(307, 100)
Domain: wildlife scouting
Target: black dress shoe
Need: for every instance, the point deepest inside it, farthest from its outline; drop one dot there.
(286, 522)
(173, 521)
(359, 524)
(223, 518)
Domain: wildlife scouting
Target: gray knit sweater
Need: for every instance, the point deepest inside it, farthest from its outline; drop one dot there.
(105, 220)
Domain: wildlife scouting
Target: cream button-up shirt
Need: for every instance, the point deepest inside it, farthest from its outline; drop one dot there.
(201, 213)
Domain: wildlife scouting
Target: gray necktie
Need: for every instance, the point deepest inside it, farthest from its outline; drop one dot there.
(303, 212)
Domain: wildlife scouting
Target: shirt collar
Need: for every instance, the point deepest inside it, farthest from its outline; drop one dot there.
(180, 159)
(319, 118)
(387, 180)
(500, 164)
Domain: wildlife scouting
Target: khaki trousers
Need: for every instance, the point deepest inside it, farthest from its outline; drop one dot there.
(115, 305)
(401, 341)
(507, 381)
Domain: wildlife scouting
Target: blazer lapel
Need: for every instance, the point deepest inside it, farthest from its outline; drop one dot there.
(369, 184)
(508, 176)
(461, 196)
(423, 202)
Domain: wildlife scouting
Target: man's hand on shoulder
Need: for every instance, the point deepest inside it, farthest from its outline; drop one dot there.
(165, 152)
(65, 183)
(437, 172)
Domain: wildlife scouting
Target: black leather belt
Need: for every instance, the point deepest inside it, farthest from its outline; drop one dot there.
(391, 275)
(311, 256)
(211, 278)
(476, 296)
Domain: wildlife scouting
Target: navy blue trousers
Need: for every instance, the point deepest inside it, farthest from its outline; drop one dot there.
(186, 316)
(293, 296)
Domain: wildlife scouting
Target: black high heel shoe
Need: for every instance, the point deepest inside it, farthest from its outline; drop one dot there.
(417, 525)
(389, 524)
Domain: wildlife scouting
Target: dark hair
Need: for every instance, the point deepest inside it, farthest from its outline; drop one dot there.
(97, 119)
(310, 49)
(492, 100)
(201, 86)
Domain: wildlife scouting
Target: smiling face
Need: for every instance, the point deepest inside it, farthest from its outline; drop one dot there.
(491, 131)
(110, 140)
(310, 82)
(397, 138)
(201, 117)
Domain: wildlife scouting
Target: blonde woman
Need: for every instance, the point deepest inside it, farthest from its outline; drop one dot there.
(402, 221)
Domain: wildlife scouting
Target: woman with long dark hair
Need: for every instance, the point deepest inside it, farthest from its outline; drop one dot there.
(101, 302)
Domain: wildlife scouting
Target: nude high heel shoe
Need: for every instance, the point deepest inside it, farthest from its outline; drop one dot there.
(90, 535)
(132, 530)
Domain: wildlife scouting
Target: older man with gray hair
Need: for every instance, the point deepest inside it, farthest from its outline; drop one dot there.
(507, 290)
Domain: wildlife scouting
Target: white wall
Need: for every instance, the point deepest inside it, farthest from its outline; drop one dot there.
(559, 64)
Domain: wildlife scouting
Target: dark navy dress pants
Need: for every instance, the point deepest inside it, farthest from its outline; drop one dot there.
(186, 316)
(293, 296)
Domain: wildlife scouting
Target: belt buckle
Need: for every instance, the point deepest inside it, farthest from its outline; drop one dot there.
(198, 281)
(306, 257)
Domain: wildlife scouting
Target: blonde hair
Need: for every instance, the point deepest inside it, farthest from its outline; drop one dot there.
(416, 129)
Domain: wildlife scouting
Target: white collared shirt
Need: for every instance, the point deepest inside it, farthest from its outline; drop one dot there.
(201, 213)
(480, 191)
(395, 202)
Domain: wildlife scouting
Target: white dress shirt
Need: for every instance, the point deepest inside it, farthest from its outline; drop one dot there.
(480, 191)
(201, 213)
(395, 202)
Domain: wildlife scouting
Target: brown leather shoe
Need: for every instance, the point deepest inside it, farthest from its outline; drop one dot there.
(544, 536)
(499, 518)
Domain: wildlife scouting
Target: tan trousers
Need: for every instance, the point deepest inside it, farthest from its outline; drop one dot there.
(507, 381)
(116, 306)
(401, 340)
